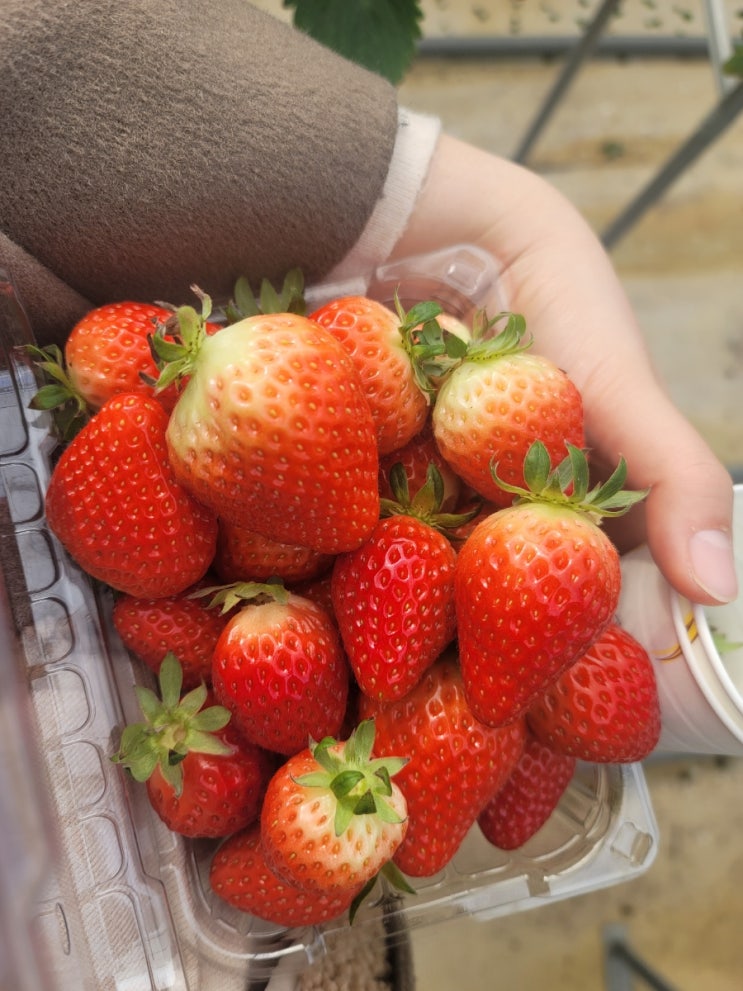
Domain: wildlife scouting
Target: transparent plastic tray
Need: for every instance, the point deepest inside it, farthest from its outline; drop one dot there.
(96, 893)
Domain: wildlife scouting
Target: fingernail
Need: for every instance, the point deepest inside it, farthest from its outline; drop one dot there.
(712, 562)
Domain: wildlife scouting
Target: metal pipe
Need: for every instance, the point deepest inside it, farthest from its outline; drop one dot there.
(581, 51)
(719, 118)
(548, 47)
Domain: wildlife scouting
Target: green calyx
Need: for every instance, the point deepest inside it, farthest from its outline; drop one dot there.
(176, 343)
(425, 504)
(289, 299)
(70, 410)
(360, 783)
(173, 727)
(435, 352)
(487, 345)
(432, 350)
(567, 484)
(229, 596)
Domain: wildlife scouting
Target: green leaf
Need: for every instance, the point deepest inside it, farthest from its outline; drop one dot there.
(229, 596)
(366, 805)
(392, 873)
(206, 743)
(537, 466)
(362, 742)
(344, 813)
(344, 783)
(734, 65)
(173, 774)
(209, 720)
(171, 680)
(722, 643)
(50, 397)
(386, 813)
(149, 703)
(360, 897)
(378, 34)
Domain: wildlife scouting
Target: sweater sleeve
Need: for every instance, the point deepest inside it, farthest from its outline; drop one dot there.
(151, 145)
(417, 135)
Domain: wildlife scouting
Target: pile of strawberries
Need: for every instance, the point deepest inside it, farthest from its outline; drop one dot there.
(360, 549)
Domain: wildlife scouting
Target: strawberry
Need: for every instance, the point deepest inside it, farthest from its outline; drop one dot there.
(496, 402)
(240, 876)
(536, 583)
(181, 624)
(273, 431)
(279, 668)
(456, 763)
(393, 597)
(318, 590)
(244, 555)
(605, 707)
(415, 458)
(106, 353)
(371, 335)
(523, 805)
(114, 503)
(202, 779)
(332, 816)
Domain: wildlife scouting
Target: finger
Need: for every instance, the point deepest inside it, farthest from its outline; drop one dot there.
(686, 518)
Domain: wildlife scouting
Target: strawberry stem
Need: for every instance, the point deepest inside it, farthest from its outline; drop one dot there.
(289, 299)
(360, 783)
(425, 504)
(567, 483)
(176, 343)
(173, 727)
(231, 595)
(70, 411)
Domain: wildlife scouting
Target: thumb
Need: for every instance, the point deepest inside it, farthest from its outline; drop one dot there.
(689, 527)
(687, 516)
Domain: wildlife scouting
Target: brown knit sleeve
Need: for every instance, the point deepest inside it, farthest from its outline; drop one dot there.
(154, 144)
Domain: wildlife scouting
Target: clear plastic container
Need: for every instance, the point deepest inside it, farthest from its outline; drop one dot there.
(96, 893)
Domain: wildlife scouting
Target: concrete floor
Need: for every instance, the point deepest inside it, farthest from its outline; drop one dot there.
(682, 266)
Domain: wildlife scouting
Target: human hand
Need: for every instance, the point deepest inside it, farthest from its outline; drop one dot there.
(555, 272)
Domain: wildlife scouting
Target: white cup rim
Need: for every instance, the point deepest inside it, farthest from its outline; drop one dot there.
(705, 662)
(699, 661)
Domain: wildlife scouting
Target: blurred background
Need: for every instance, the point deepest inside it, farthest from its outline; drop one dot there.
(488, 68)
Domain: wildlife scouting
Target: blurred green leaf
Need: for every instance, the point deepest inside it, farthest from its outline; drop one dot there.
(734, 65)
(378, 34)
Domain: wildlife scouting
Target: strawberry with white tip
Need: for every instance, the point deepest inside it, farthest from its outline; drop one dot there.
(333, 817)
(537, 583)
(272, 431)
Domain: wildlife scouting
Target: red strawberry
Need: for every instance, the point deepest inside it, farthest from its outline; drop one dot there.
(370, 334)
(528, 798)
(244, 555)
(499, 400)
(280, 669)
(108, 352)
(605, 707)
(180, 624)
(393, 597)
(273, 430)
(415, 458)
(318, 590)
(536, 584)
(332, 816)
(114, 503)
(240, 876)
(202, 779)
(456, 763)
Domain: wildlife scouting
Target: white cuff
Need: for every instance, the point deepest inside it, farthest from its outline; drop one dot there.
(417, 135)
